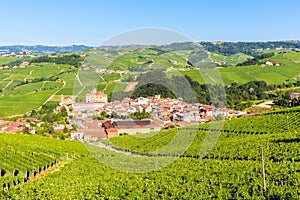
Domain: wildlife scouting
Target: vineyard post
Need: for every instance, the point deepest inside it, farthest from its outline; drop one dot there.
(287, 119)
(263, 167)
(156, 159)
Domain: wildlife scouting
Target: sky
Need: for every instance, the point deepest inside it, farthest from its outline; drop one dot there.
(93, 22)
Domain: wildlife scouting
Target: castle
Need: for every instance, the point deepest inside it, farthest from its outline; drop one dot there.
(96, 97)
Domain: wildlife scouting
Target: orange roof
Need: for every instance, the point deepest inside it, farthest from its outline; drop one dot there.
(111, 130)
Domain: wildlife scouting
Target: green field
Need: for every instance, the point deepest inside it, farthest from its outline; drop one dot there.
(24, 89)
(244, 74)
(144, 59)
(20, 104)
(111, 77)
(7, 60)
(230, 60)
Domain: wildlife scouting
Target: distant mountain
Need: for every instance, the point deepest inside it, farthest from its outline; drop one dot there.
(42, 49)
(224, 48)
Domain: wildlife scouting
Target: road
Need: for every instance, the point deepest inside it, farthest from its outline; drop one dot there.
(54, 94)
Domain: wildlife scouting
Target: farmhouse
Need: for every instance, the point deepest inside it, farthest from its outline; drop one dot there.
(268, 63)
(295, 95)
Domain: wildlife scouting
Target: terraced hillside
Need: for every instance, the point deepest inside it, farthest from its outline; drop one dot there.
(24, 89)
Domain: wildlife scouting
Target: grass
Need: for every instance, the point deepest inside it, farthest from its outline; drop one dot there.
(270, 74)
(100, 58)
(7, 60)
(230, 60)
(120, 87)
(146, 57)
(19, 99)
(111, 77)
(194, 74)
(69, 79)
(22, 103)
(110, 87)
(24, 89)
(101, 86)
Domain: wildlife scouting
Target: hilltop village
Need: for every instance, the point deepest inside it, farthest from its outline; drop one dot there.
(96, 117)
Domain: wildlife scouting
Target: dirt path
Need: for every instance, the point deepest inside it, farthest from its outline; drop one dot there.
(6, 78)
(54, 94)
(8, 84)
(110, 148)
(102, 78)
(266, 104)
(79, 80)
(75, 96)
(283, 89)
(211, 78)
(253, 76)
(30, 73)
(130, 86)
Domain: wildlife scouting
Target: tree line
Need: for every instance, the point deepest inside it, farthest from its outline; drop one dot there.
(238, 96)
(73, 59)
(256, 59)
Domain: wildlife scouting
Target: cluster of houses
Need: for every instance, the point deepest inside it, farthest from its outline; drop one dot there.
(164, 112)
(22, 65)
(22, 54)
(14, 127)
(108, 71)
(20, 124)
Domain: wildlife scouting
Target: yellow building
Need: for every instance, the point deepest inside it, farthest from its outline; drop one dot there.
(96, 97)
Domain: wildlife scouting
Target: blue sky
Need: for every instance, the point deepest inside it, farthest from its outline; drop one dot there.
(91, 22)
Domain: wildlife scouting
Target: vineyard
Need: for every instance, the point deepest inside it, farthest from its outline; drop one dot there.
(270, 129)
(24, 89)
(35, 167)
(23, 157)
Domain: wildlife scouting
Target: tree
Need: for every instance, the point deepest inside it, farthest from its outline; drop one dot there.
(65, 130)
(33, 114)
(51, 129)
(139, 115)
(64, 112)
(26, 130)
(103, 113)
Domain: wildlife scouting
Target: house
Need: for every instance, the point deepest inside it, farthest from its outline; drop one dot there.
(89, 134)
(173, 61)
(93, 134)
(24, 64)
(295, 95)
(111, 132)
(115, 128)
(268, 63)
(2, 123)
(12, 127)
